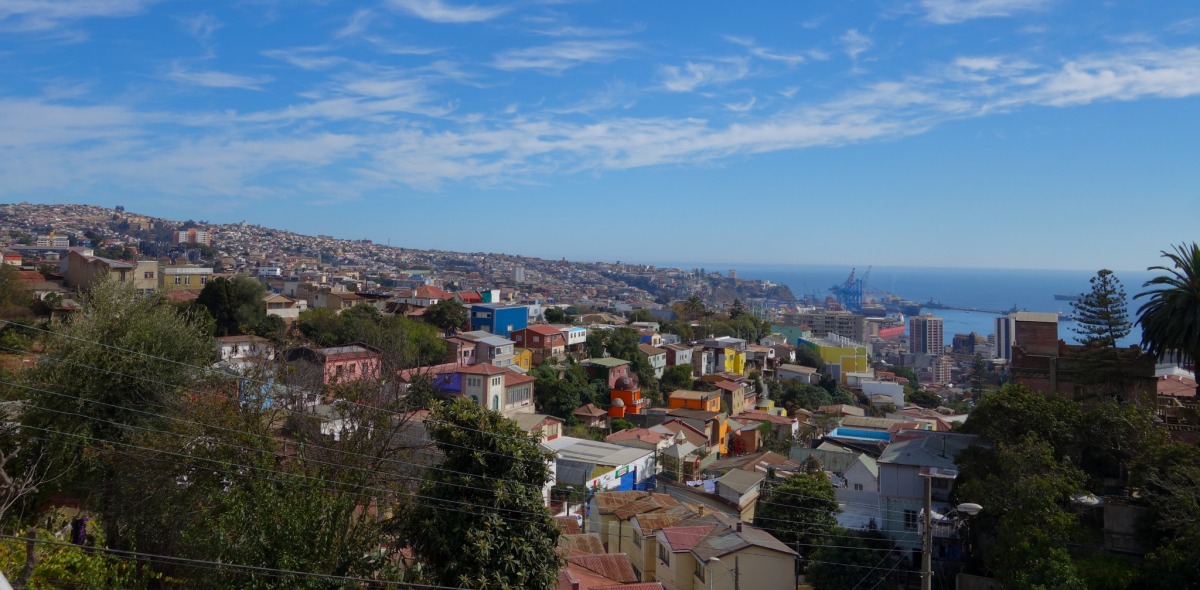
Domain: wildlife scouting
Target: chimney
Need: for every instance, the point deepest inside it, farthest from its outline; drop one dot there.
(574, 584)
(700, 510)
(739, 526)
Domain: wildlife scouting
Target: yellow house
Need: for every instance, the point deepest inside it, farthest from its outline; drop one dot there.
(735, 361)
(523, 357)
(741, 556)
(171, 278)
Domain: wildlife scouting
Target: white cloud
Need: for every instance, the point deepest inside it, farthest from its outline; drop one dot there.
(306, 58)
(558, 57)
(854, 43)
(693, 75)
(764, 53)
(441, 12)
(215, 79)
(1146, 74)
(359, 21)
(202, 26)
(41, 15)
(956, 11)
(741, 107)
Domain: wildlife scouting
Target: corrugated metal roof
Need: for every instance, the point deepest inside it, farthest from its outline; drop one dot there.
(683, 538)
(615, 567)
(581, 544)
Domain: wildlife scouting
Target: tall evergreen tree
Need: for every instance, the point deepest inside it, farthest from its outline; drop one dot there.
(1101, 318)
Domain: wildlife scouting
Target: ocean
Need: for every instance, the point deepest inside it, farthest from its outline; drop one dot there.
(999, 289)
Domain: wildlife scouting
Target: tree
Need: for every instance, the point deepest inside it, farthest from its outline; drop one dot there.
(691, 308)
(15, 296)
(799, 511)
(1101, 319)
(483, 523)
(1170, 317)
(923, 398)
(1015, 410)
(448, 315)
(979, 375)
(832, 567)
(676, 377)
(807, 357)
(236, 304)
(1024, 489)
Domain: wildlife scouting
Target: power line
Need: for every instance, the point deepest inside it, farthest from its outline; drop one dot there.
(217, 565)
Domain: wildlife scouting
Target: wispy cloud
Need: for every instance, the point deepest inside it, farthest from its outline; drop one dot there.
(956, 11)
(384, 128)
(215, 79)
(42, 15)
(442, 12)
(306, 58)
(359, 22)
(765, 53)
(558, 57)
(201, 26)
(693, 75)
(855, 43)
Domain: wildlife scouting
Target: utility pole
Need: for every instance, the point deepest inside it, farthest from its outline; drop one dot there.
(927, 538)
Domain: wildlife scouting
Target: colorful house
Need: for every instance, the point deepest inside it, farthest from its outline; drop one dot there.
(499, 319)
(841, 356)
(626, 398)
(607, 368)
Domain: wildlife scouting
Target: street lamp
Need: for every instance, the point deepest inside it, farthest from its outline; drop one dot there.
(733, 570)
(931, 473)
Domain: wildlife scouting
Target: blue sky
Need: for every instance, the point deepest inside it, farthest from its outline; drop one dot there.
(988, 133)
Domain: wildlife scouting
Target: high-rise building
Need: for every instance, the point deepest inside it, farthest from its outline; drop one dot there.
(926, 335)
(1006, 335)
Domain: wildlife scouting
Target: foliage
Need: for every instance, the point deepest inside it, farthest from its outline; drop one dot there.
(979, 375)
(619, 424)
(923, 398)
(691, 308)
(807, 357)
(560, 397)
(123, 356)
(1015, 410)
(1101, 318)
(1170, 315)
(483, 523)
(676, 377)
(271, 327)
(448, 315)
(15, 297)
(1024, 489)
(799, 511)
(403, 342)
(640, 315)
(555, 315)
(833, 564)
(235, 303)
(68, 566)
(793, 394)
(1107, 571)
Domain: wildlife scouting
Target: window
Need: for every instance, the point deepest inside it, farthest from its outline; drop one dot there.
(495, 382)
(858, 487)
(700, 570)
(496, 402)
(664, 555)
(178, 280)
(537, 339)
(148, 275)
(203, 280)
(637, 539)
(910, 520)
(353, 368)
(939, 483)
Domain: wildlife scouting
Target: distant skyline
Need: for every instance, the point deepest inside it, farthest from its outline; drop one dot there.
(1042, 134)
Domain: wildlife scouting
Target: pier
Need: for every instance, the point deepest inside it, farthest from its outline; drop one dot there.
(931, 304)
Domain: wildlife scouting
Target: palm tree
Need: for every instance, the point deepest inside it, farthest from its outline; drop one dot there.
(1170, 318)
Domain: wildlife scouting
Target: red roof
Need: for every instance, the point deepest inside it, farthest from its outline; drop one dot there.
(728, 385)
(484, 370)
(431, 292)
(544, 330)
(470, 297)
(1176, 386)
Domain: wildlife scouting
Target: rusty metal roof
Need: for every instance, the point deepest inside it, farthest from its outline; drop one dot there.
(616, 567)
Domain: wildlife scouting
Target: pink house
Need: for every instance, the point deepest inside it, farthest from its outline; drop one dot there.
(340, 364)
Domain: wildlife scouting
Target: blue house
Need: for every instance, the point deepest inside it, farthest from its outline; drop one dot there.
(498, 318)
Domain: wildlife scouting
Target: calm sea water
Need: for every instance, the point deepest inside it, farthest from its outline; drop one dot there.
(999, 289)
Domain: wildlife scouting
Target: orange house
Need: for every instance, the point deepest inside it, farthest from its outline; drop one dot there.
(625, 398)
(708, 401)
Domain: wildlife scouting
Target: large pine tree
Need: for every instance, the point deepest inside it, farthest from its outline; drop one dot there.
(1101, 317)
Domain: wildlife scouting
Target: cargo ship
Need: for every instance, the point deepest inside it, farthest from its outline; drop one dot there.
(1066, 297)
